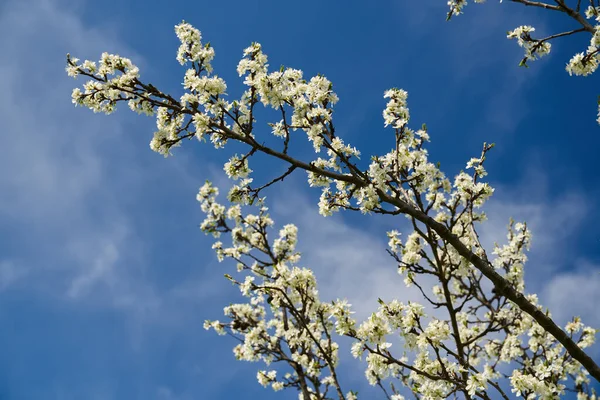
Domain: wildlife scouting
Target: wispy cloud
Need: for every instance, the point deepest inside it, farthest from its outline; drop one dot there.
(574, 293)
(553, 219)
(10, 273)
(79, 232)
(73, 207)
(55, 170)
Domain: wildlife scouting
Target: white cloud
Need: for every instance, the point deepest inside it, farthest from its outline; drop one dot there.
(54, 173)
(102, 265)
(73, 181)
(574, 293)
(553, 220)
(10, 272)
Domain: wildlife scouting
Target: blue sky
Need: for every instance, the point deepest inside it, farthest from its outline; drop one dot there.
(105, 278)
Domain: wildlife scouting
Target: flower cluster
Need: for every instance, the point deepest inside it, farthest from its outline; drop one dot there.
(102, 93)
(534, 49)
(191, 48)
(584, 64)
(456, 7)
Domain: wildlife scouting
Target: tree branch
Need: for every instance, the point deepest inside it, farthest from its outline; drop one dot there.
(502, 286)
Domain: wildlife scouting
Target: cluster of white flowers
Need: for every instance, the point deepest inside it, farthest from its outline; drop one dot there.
(586, 63)
(205, 86)
(593, 12)
(396, 113)
(397, 172)
(282, 321)
(533, 48)
(237, 168)
(456, 6)
(310, 101)
(101, 93)
(583, 64)
(191, 48)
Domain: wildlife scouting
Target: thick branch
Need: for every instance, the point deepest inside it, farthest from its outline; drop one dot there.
(537, 4)
(562, 7)
(502, 286)
(575, 15)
